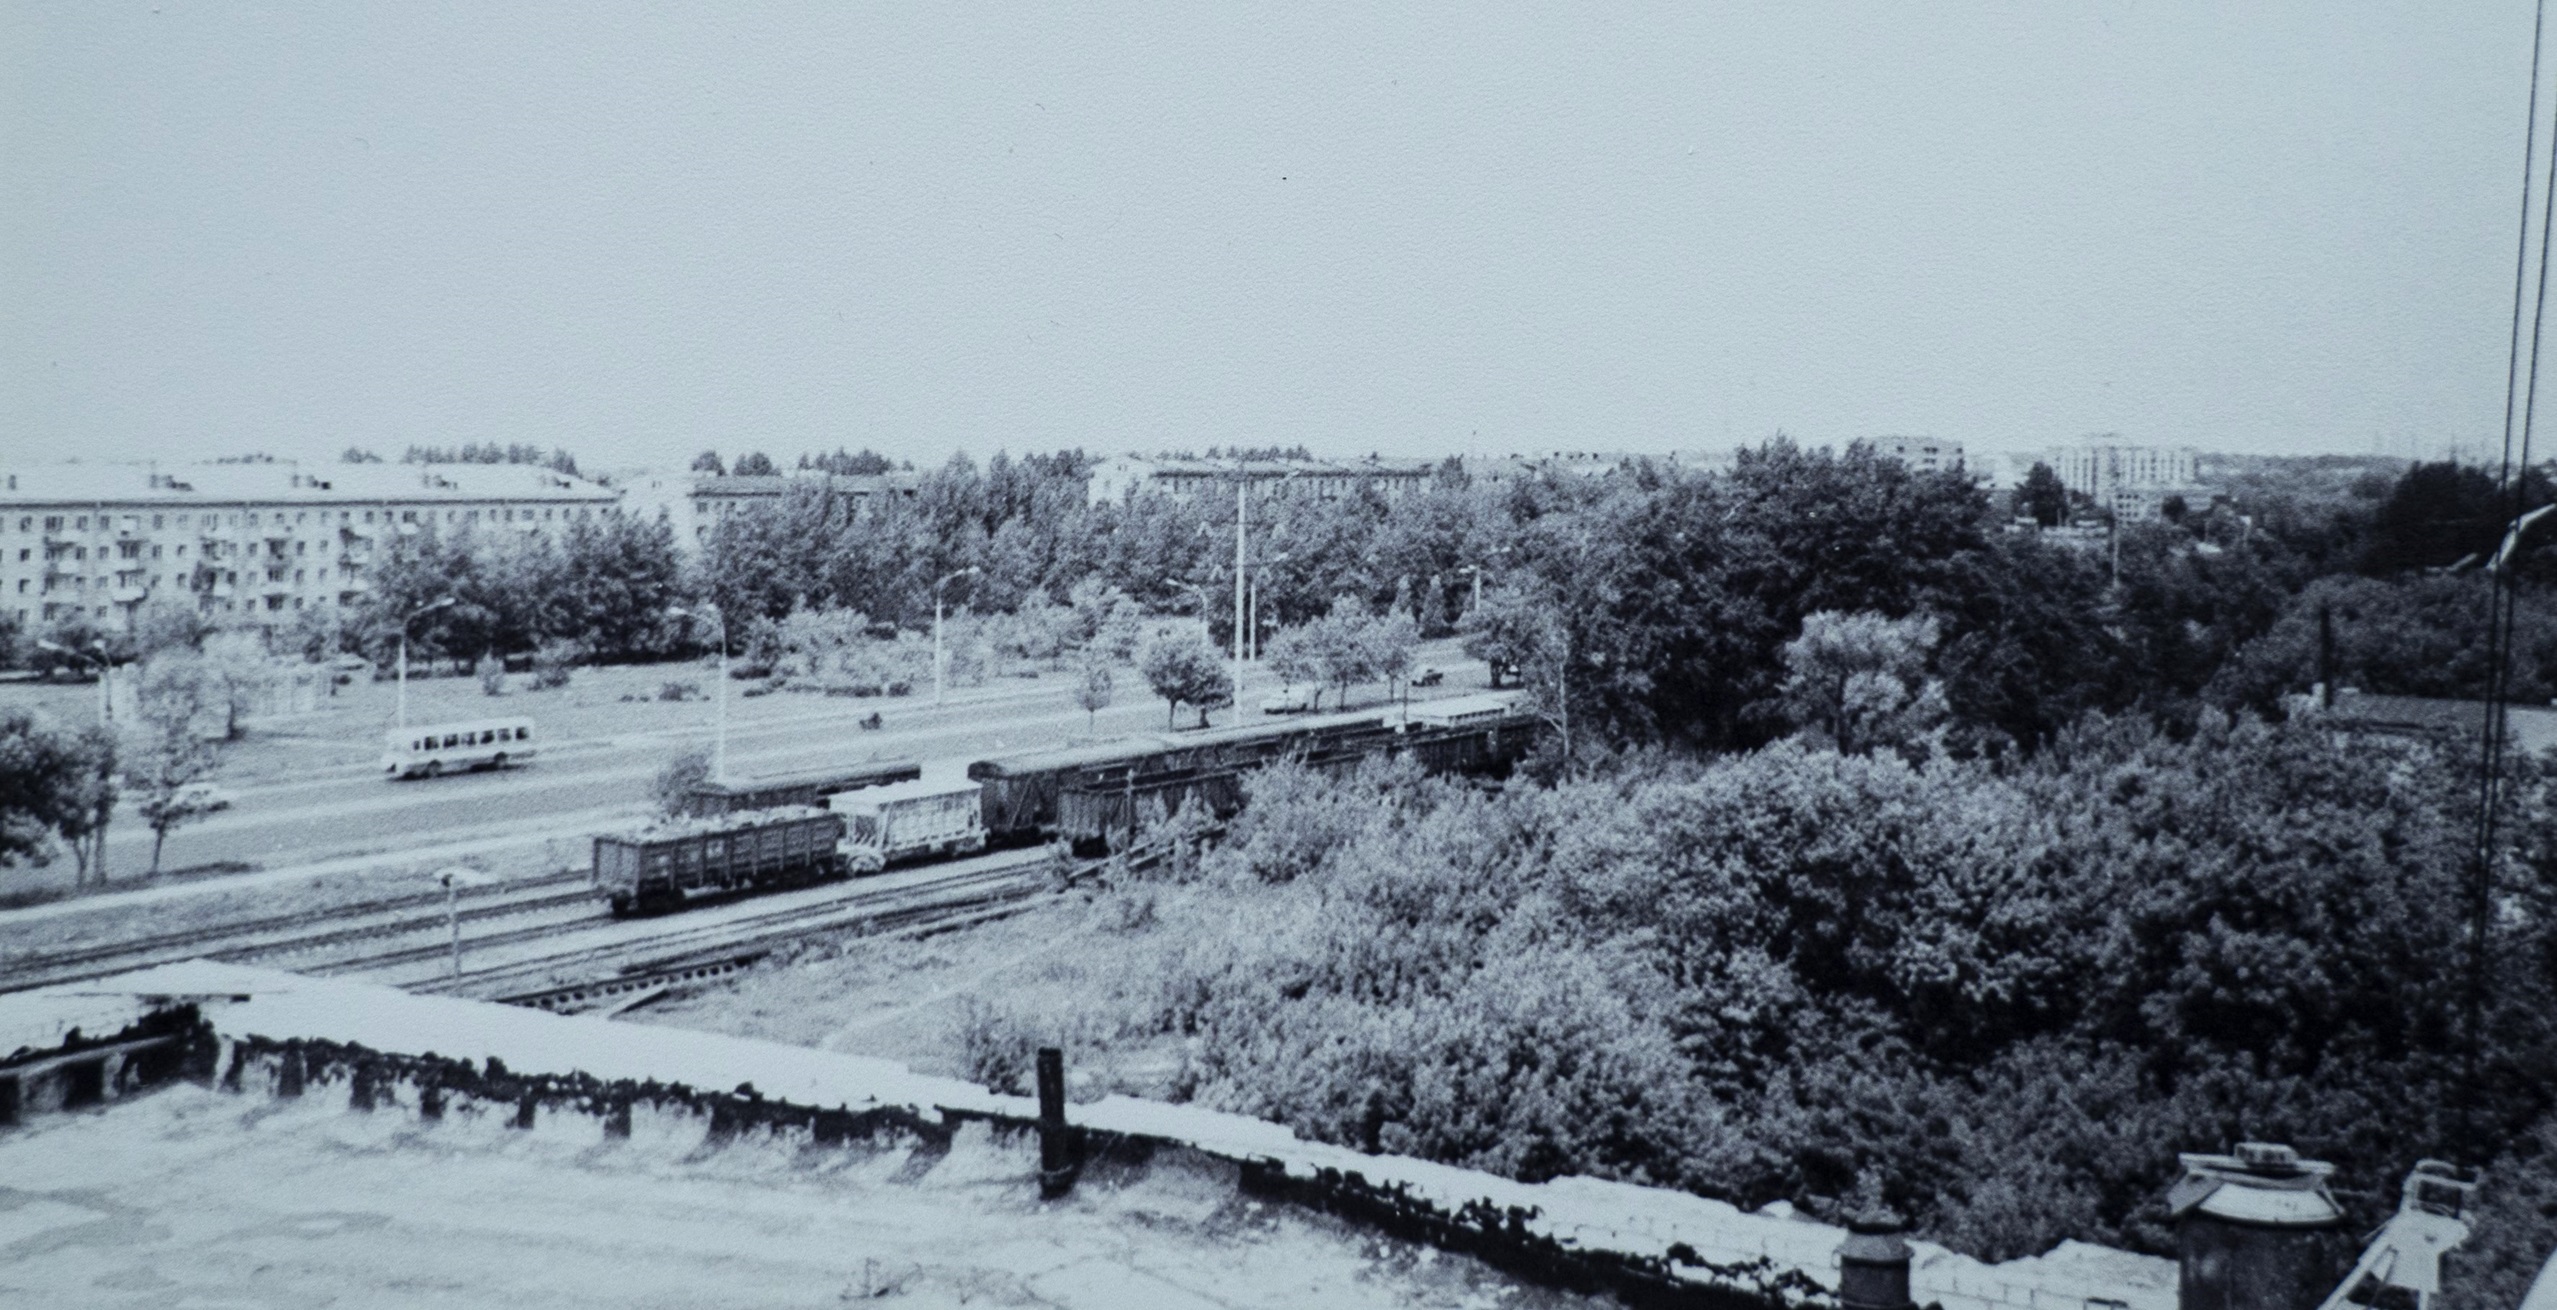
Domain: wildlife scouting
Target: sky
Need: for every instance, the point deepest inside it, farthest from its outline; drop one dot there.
(639, 231)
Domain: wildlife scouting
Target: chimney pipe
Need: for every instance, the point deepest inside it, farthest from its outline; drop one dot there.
(2252, 1230)
(1873, 1264)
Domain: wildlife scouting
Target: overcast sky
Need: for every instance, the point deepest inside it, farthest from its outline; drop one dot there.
(2279, 227)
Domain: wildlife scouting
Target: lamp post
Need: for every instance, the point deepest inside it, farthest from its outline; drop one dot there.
(414, 616)
(106, 711)
(454, 879)
(939, 661)
(719, 750)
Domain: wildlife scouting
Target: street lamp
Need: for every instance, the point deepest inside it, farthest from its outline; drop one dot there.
(414, 616)
(938, 662)
(454, 879)
(106, 711)
(719, 752)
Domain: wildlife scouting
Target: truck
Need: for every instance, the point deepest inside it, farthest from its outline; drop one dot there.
(903, 820)
(662, 866)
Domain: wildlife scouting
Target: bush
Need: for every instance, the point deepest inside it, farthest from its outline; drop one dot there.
(675, 781)
(553, 663)
(492, 675)
(679, 691)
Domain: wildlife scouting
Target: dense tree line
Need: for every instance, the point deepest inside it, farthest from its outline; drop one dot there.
(1997, 996)
(603, 586)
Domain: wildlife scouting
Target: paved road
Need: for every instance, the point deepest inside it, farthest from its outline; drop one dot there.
(338, 807)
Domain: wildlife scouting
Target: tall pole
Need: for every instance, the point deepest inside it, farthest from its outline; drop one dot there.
(1242, 481)
(938, 659)
(453, 922)
(403, 710)
(719, 747)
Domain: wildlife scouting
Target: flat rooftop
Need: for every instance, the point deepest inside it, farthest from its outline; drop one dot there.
(191, 1197)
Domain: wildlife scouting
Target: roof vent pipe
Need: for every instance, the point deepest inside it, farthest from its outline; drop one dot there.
(2254, 1230)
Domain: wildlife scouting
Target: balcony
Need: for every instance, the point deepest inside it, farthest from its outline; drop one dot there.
(130, 595)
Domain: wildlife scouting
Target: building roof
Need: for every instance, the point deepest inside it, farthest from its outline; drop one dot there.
(264, 483)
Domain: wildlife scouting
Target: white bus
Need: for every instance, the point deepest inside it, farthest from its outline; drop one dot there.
(905, 819)
(432, 748)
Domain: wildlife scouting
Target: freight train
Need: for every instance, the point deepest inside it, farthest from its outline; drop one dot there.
(1096, 797)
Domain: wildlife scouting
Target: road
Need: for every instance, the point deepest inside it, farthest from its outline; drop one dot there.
(338, 805)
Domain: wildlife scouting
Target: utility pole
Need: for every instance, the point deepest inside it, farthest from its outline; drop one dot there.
(1242, 483)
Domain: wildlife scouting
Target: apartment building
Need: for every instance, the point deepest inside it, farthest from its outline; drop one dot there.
(1922, 454)
(1120, 477)
(263, 539)
(693, 505)
(2133, 482)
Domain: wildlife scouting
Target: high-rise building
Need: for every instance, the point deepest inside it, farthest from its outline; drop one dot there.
(2132, 482)
(262, 539)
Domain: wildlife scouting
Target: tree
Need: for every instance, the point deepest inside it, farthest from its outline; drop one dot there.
(169, 625)
(37, 764)
(676, 778)
(2042, 497)
(237, 664)
(172, 759)
(1183, 671)
(708, 462)
(491, 672)
(753, 464)
(88, 802)
(1854, 682)
(1092, 688)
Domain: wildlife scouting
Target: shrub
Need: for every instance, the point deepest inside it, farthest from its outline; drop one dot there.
(492, 674)
(679, 691)
(553, 663)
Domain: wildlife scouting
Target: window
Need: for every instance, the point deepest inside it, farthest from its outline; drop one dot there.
(301, 548)
(23, 554)
(155, 551)
(181, 552)
(84, 523)
(452, 739)
(253, 520)
(302, 517)
(26, 524)
(157, 522)
(53, 523)
(524, 733)
(80, 552)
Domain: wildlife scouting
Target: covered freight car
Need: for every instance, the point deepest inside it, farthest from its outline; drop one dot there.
(763, 791)
(1022, 791)
(909, 819)
(663, 865)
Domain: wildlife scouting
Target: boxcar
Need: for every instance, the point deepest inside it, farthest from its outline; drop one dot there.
(662, 866)
(799, 786)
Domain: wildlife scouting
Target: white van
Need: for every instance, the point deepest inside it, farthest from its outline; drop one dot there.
(435, 748)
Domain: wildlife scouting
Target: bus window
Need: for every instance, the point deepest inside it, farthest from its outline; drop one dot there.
(505, 734)
(524, 733)
(452, 739)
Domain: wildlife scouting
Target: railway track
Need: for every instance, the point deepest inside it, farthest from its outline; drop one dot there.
(677, 946)
(286, 935)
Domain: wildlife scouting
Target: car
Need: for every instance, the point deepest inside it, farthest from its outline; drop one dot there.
(1288, 700)
(350, 663)
(1428, 677)
(203, 796)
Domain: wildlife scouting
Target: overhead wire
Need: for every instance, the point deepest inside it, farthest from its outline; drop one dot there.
(2521, 392)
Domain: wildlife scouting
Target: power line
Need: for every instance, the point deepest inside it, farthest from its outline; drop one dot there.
(2499, 627)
